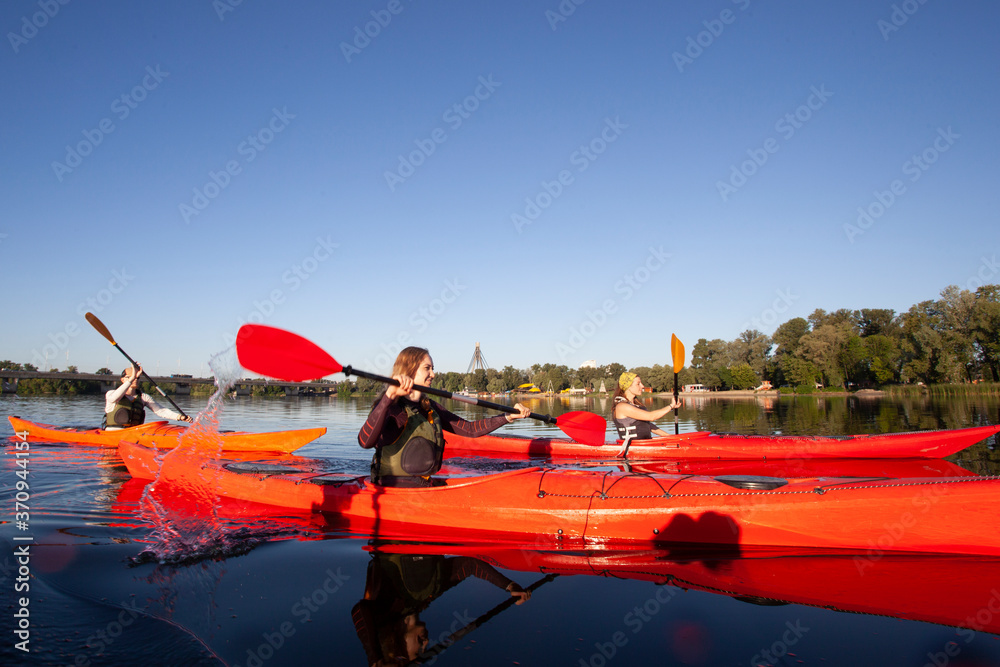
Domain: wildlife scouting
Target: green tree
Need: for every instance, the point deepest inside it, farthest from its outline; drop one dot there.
(877, 321)
(786, 341)
(882, 355)
(725, 378)
(985, 330)
(366, 386)
(557, 375)
(476, 380)
(450, 381)
(853, 358)
(613, 370)
(589, 377)
(787, 337)
(842, 318)
(799, 372)
(707, 361)
(743, 376)
(660, 378)
(957, 308)
(512, 377)
(925, 353)
(824, 348)
(752, 348)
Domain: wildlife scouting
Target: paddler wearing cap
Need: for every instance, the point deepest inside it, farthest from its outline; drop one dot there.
(631, 418)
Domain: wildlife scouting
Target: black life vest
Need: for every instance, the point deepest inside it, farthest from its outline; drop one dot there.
(126, 412)
(417, 452)
(640, 430)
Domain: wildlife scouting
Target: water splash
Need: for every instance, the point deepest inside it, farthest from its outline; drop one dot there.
(183, 513)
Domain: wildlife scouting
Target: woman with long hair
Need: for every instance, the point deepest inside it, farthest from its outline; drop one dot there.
(630, 416)
(406, 428)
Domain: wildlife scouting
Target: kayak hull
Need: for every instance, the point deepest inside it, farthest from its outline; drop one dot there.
(918, 515)
(161, 435)
(706, 445)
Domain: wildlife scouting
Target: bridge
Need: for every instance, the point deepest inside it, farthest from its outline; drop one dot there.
(182, 383)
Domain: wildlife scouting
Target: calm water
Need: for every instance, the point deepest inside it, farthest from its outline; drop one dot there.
(279, 589)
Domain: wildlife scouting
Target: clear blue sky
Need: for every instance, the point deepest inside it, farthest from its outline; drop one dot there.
(186, 166)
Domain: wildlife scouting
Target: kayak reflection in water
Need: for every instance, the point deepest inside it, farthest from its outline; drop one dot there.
(406, 428)
(630, 416)
(126, 405)
(399, 587)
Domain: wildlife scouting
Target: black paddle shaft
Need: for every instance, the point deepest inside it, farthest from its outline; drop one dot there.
(677, 428)
(450, 640)
(471, 400)
(151, 381)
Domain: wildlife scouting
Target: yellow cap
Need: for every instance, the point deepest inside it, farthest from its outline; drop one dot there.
(626, 379)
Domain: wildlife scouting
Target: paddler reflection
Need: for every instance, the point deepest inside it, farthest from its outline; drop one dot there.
(399, 587)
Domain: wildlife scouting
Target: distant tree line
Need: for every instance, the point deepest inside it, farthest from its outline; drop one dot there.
(953, 339)
(66, 387)
(950, 340)
(51, 386)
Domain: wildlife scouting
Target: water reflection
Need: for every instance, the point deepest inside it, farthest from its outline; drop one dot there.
(400, 586)
(956, 591)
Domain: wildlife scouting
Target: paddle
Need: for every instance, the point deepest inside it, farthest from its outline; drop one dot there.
(287, 356)
(677, 351)
(439, 648)
(103, 330)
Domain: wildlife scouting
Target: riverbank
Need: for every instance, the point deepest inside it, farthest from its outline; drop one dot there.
(773, 393)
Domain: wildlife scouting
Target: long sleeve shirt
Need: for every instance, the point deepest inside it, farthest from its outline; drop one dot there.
(115, 395)
(388, 418)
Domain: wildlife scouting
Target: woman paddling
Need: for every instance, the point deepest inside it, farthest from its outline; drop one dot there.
(126, 405)
(632, 419)
(406, 428)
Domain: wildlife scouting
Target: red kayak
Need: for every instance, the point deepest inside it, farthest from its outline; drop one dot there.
(730, 446)
(920, 515)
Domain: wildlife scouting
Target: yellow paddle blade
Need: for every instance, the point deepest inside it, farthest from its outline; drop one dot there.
(99, 325)
(677, 350)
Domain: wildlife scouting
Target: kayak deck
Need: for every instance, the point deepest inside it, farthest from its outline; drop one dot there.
(729, 446)
(162, 435)
(919, 515)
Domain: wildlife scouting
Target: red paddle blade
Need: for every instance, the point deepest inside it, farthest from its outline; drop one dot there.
(282, 354)
(585, 427)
